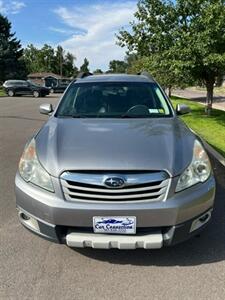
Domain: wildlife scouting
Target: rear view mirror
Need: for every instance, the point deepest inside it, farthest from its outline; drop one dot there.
(182, 109)
(46, 109)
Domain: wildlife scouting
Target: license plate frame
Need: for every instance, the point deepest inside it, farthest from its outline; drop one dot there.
(114, 224)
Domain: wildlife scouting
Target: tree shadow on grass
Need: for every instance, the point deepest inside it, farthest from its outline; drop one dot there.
(216, 99)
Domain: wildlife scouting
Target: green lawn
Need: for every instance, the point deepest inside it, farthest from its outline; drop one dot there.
(2, 93)
(211, 128)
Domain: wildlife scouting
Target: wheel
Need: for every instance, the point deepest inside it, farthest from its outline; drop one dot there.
(36, 94)
(51, 91)
(11, 93)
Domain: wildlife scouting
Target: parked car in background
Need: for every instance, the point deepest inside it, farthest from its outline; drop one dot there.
(115, 167)
(60, 86)
(23, 87)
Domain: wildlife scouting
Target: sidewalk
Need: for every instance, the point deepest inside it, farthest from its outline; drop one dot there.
(200, 96)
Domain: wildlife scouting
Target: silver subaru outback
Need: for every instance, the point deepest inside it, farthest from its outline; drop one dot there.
(115, 167)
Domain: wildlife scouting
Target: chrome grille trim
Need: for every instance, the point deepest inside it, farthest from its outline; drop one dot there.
(138, 187)
(115, 196)
(67, 186)
(98, 179)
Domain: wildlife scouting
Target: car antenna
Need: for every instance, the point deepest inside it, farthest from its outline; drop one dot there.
(146, 74)
(83, 75)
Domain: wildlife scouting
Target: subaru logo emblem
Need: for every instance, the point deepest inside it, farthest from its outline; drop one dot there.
(114, 182)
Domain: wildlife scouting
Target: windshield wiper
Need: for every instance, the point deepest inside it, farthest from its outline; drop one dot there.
(125, 116)
(72, 116)
(77, 116)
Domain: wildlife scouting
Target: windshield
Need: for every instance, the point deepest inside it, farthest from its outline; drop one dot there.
(114, 100)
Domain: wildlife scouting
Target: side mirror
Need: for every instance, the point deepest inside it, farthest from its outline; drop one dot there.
(182, 109)
(46, 109)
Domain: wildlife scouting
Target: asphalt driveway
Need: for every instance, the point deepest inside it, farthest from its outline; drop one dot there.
(33, 268)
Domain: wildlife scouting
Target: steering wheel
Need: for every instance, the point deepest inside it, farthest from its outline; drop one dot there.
(138, 110)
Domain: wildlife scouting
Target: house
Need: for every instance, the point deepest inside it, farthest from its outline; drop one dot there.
(46, 78)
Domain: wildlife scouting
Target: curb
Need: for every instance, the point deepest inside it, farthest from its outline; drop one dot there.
(215, 105)
(213, 152)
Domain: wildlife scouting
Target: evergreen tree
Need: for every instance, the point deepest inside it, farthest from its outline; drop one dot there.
(12, 65)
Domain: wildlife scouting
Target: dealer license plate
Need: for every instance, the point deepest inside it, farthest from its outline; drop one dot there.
(114, 225)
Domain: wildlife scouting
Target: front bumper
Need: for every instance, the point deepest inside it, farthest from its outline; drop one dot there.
(147, 238)
(172, 219)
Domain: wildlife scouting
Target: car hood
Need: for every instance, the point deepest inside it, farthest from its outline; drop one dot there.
(114, 144)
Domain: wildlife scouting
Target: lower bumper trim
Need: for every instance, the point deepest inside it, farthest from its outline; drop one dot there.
(103, 241)
(146, 238)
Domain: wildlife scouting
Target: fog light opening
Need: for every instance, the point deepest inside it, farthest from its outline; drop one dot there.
(197, 223)
(24, 217)
(28, 221)
(204, 218)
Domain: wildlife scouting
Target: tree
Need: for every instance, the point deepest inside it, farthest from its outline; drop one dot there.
(117, 66)
(30, 55)
(162, 71)
(47, 59)
(75, 71)
(84, 66)
(98, 71)
(188, 34)
(130, 59)
(11, 62)
(69, 69)
(39, 60)
(60, 53)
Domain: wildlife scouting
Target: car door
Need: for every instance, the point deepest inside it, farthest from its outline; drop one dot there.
(21, 88)
(27, 90)
(15, 86)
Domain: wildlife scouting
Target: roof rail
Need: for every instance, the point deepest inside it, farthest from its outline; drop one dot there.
(146, 74)
(83, 74)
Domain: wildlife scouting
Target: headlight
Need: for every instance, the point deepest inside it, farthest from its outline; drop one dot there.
(198, 171)
(31, 170)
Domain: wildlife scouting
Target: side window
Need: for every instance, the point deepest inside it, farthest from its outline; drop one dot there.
(162, 105)
(67, 108)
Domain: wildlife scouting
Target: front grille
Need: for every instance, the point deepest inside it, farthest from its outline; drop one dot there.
(141, 186)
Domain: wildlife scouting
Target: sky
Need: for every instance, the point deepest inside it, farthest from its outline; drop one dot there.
(86, 28)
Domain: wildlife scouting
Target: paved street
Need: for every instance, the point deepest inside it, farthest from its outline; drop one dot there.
(200, 96)
(33, 268)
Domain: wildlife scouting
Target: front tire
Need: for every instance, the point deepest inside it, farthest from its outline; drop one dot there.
(11, 93)
(36, 94)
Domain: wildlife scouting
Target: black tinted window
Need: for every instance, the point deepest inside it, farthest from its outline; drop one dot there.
(16, 83)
